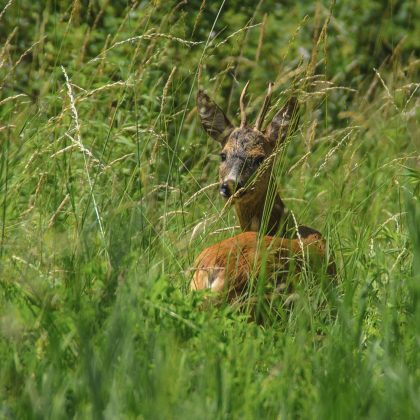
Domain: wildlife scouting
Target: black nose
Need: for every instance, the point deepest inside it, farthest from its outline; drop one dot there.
(227, 188)
(224, 190)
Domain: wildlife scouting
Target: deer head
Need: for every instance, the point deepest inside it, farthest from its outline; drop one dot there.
(245, 147)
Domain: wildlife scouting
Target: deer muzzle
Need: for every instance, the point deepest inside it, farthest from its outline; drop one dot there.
(229, 187)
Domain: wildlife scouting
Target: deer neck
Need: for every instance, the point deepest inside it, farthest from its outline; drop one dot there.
(251, 211)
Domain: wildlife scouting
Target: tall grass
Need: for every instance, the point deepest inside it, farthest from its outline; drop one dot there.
(103, 208)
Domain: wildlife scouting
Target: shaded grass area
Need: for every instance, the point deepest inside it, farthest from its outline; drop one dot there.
(103, 209)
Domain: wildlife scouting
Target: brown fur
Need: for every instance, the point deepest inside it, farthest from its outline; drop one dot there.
(227, 266)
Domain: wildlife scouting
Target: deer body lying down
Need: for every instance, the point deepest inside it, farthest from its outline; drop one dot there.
(245, 170)
(229, 265)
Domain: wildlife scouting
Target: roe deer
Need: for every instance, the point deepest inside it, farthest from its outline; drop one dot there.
(245, 170)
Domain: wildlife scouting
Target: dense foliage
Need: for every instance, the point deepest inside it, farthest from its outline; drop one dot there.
(102, 212)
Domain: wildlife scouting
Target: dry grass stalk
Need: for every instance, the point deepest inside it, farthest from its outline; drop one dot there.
(198, 17)
(227, 229)
(245, 28)
(388, 93)
(298, 234)
(166, 89)
(59, 208)
(12, 98)
(322, 36)
(78, 140)
(196, 194)
(34, 197)
(331, 153)
(153, 35)
(5, 48)
(261, 37)
(5, 8)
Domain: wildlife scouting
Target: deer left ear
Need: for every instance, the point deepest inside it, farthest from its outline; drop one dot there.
(284, 123)
(214, 120)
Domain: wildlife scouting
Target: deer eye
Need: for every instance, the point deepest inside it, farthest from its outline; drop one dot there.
(222, 157)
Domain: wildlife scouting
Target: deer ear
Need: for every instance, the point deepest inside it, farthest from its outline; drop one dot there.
(284, 122)
(213, 118)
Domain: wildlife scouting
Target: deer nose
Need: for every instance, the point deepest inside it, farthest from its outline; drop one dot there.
(229, 187)
(225, 191)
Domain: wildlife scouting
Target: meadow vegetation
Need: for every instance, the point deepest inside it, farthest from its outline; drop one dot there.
(103, 208)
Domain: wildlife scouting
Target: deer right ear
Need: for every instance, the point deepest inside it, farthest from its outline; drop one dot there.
(284, 123)
(214, 120)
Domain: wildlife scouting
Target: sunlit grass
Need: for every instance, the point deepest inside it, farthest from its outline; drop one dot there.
(104, 206)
